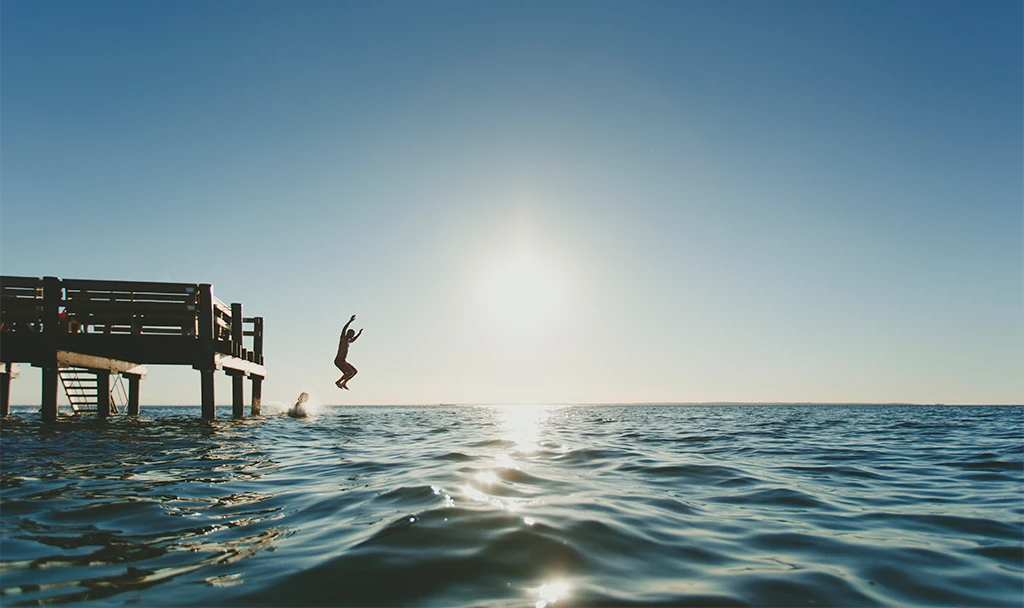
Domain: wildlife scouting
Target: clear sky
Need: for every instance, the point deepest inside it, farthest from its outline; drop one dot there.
(549, 201)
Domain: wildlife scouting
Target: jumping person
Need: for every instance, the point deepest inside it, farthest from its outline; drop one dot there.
(348, 336)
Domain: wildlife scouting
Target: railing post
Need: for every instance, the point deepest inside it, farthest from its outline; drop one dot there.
(236, 329)
(102, 393)
(204, 312)
(51, 309)
(257, 340)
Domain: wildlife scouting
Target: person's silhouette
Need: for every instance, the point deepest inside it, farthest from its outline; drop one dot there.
(297, 411)
(348, 370)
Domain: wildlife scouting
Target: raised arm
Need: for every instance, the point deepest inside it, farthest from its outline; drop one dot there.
(344, 330)
(356, 337)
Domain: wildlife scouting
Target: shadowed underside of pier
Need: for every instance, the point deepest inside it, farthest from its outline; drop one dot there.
(118, 327)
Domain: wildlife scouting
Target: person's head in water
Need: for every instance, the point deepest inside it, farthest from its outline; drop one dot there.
(297, 410)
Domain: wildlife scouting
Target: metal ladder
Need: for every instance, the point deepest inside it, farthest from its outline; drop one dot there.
(81, 387)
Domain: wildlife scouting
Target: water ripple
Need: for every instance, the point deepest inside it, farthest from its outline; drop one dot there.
(532, 506)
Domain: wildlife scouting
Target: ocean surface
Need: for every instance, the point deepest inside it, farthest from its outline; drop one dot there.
(531, 506)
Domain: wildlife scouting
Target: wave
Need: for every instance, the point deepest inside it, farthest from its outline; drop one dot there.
(666, 506)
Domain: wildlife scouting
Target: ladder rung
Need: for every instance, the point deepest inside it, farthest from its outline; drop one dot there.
(82, 389)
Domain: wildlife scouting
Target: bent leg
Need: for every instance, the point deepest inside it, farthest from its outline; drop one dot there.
(349, 373)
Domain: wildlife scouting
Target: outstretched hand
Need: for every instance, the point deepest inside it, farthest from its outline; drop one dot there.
(352, 319)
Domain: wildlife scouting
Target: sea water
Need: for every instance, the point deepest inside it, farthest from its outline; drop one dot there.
(532, 506)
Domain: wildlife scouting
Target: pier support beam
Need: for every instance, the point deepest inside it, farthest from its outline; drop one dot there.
(5, 394)
(102, 393)
(133, 394)
(237, 395)
(209, 407)
(256, 409)
(52, 296)
(49, 394)
(237, 378)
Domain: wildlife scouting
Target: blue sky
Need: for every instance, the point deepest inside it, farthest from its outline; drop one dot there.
(715, 201)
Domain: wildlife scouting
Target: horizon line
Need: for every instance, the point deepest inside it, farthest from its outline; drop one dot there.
(604, 404)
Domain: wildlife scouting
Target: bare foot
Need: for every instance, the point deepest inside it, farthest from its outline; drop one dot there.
(344, 387)
(338, 384)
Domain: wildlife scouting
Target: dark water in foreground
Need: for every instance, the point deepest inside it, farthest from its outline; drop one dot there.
(518, 506)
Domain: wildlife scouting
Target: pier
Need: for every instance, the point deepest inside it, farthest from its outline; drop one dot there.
(82, 333)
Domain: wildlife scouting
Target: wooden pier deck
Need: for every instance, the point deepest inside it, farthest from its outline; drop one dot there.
(119, 327)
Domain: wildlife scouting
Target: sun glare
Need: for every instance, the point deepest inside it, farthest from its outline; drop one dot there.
(520, 293)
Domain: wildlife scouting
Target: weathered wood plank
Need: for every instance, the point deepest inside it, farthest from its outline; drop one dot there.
(79, 306)
(168, 329)
(129, 296)
(136, 286)
(165, 330)
(31, 314)
(153, 349)
(22, 281)
(71, 359)
(8, 302)
(226, 362)
(138, 325)
(20, 346)
(26, 295)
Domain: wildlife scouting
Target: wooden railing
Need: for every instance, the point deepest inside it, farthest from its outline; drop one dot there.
(121, 307)
(129, 308)
(21, 303)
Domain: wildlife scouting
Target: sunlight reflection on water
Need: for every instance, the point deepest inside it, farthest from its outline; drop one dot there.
(522, 424)
(551, 592)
